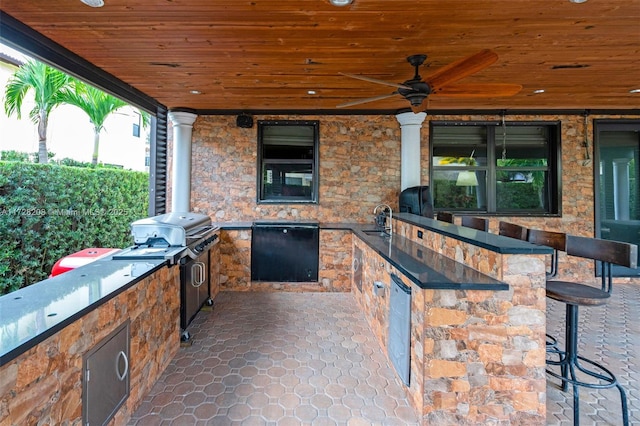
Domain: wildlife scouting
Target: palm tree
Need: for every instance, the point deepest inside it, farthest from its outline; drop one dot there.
(97, 104)
(47, 84)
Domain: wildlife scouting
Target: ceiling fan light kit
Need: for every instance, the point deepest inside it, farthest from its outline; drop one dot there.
(442, 82)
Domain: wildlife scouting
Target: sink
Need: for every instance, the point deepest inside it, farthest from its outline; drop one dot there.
(376, 232)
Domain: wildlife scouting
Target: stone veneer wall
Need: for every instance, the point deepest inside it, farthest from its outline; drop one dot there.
(334, 273)
(44, 384)
(360, 168)
(477, 356)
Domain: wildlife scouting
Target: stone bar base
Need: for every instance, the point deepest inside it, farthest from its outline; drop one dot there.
(477, 356)
(44, 384)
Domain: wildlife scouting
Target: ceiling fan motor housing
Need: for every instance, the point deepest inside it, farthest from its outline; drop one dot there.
(419, 91)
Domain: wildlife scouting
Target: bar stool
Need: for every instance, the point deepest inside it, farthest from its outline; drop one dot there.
(577, 294)
(558, 242)
(444, 217)
(512, 230)
(479, 223)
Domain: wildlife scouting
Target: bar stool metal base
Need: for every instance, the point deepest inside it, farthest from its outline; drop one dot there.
(568, 361)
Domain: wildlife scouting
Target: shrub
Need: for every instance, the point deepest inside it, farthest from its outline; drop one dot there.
(12, 155)
(49, 211)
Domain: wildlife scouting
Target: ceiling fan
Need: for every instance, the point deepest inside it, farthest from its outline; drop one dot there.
(440, 83)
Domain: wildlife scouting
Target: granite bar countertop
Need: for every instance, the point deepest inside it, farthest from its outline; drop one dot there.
(425, 267)
(30, 315)
(486, 240)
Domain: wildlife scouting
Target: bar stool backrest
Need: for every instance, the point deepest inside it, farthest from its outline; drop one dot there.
(479, 223)
(556, 240)
(616, 252)
(512, 230)
(445, 217)
(606, 251)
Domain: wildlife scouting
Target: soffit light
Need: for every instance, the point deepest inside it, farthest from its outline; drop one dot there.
(93, 3)
(537, 91)
(634, 91)
(578, 1)
(341, 3)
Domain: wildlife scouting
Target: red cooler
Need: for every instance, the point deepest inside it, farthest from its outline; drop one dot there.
(80, 258)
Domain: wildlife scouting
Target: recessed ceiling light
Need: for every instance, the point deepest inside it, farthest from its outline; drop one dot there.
(537, 91)
(93, 3)
(578, 1)
(195, 92)
(634, 91)
(311, 92)
(341, 2)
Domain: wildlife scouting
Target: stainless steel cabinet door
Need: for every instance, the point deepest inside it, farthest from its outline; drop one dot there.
(105, 384)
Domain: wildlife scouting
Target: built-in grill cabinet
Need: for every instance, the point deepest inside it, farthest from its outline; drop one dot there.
(285, 252)
(194, 288)
(183, 238)
(105, 382)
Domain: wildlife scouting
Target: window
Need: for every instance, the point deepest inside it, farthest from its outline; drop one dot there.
(288, 161)
(495, 167)
(136, 125)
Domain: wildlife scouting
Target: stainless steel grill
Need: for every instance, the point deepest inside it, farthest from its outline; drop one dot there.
(170, 236)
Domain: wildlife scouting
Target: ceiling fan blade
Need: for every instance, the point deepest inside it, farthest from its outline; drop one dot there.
(460, 69)
(374, 80)
(365, 100)
(489, 90)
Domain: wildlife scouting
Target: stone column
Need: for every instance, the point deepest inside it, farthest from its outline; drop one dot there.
(181, 170)
(410, 125)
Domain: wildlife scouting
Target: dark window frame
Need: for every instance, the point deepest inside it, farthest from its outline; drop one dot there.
(493, 142)
(315, 163)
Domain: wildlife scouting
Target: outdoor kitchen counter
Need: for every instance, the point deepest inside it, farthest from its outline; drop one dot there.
(30, 315)
(423, 264)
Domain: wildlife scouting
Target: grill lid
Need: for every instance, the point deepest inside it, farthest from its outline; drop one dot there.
(174, 228)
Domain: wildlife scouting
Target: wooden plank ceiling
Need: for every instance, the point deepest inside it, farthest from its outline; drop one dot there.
(266, 55)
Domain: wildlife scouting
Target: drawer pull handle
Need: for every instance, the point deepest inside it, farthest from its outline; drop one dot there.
(122, 355)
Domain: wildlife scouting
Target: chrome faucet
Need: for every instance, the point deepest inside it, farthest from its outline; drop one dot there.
(385, 207)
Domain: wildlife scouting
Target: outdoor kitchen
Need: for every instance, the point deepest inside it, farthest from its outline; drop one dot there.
(359, 213)
(132, 286)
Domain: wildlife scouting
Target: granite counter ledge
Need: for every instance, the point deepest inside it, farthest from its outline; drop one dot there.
(426, 268)
(487, 240)
(30, 315)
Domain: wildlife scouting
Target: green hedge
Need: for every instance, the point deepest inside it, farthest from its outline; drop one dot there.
(50, 211)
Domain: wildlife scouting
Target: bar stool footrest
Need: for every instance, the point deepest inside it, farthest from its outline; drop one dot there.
(568, 376)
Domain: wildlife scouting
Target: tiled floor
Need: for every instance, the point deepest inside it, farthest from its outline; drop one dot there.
(279, 359)
(610, 333)
(309, 358)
